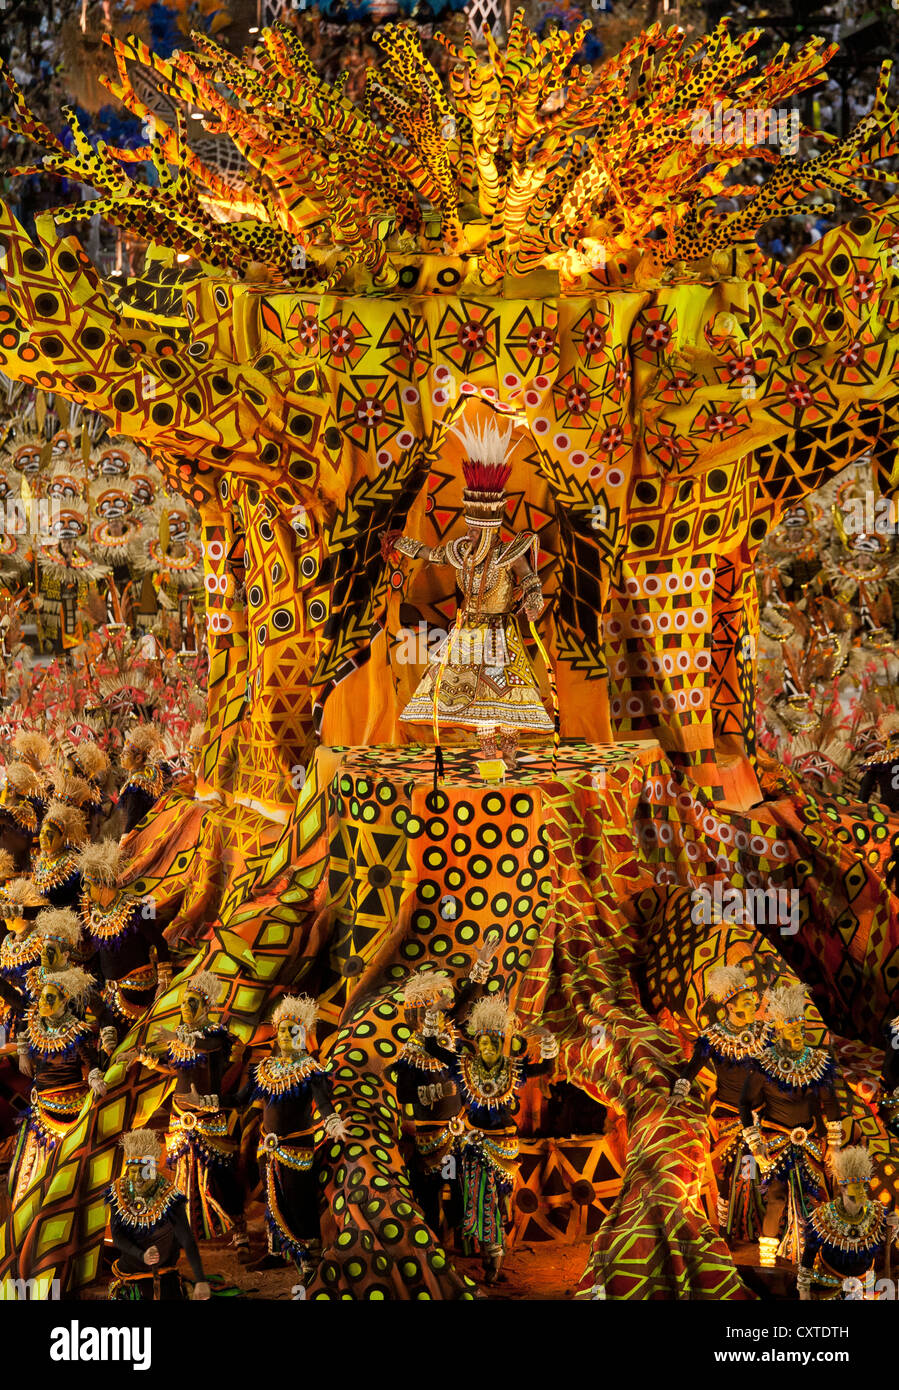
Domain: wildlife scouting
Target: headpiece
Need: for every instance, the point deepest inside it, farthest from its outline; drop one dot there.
(296, 1008)
(852, 1164)
(786, 1002)
(71, 790)
(7, 865)
(70, 821)
(24, 780)
(207, 984)
(32, 747)
(141, 1144)
(91, 759)
(424, 987)
(103, 862)
(493, 1015)
(76, 984)
(20, 898)
(725, 982)
(59, 924)
(486, 472)
(68, 524)
(143, 741)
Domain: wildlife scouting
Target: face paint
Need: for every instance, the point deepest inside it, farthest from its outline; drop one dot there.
(291, 1036)
(53, 956)
(51, 838)
(193, 1008)
(855, 1195)
(51, 1004)
(741, 1010)
(489, 1049)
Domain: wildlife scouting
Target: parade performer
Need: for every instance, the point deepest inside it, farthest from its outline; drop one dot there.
(791, 1087)
(57, 1049)
(295, 1094)
(149, 1227)
(68, 579)
(141, 759)
(172, 567)
(19, 820)
(426, 1086)
(728, 1046)
(132, 955)
(90, 762)
(480, 677)
(20, 949)
(56, 873)
(489, 1078)
(34, 751)
(846, 1238)
(889, 1078)
(200, 1137)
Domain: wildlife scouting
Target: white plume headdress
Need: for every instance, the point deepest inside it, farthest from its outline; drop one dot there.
(297, 1008)
(852, 1164)
(207, 984)
(493, 1015)
(725, 982)
(786, 1002)
(141, 1144)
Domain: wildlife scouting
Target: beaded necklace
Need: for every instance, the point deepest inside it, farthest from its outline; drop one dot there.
(144, 1211)
(276, 1076)
(110, 923)
(492, 1087)
(51, 872)
(52, 1039)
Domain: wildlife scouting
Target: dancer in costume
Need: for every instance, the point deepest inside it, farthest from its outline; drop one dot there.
(480, 677)
(141, 759)
(847, 1238)
(295, 1094)
(20, 949)
(35, 752)
(489, 1079)
(791, 1088)
(56, 873)
(149, 1228)
(728, 1046)
(426, 1086)
(200, 1136)
(18, 818)
(68, 580)
(132, 956)
(90, 763)
(57, 1049)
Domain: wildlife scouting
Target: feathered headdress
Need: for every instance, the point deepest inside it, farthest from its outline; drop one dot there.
(207, 984)
(24, 780)
(424, 987)
(71, 790)
(486, 471)
(852, 1164)
(103, 862)
(92, 760)
(32, 747)
(59, 924)
(143, 742)
(726, 981)
(493, 1015)
(19, 895)
(76, 984)
(296, 1008)
(7, 865)
(141, 1144)
(69, 820)
(786, 1002)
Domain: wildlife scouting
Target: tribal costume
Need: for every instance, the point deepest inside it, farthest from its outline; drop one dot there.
(489, 1148)
(60, 1053)
(729, 1046)
(792, 1091)
(480, 676)
(426, 1086)
(847, 1238)
(146, 1210)
(201, 1139)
